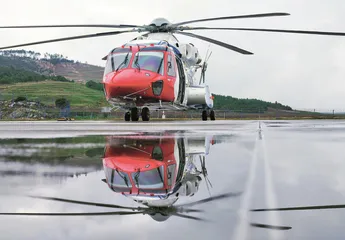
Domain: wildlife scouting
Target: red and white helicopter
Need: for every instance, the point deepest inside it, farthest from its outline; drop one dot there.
(155, 70)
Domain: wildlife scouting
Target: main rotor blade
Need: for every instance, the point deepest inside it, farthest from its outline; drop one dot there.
(84, 203)
(68, 38)
(188, 217)
(300, 208)
(222, 44)
(71, 214)
(217, 197)
(233, 17)
(76, 26)
(270, 30)
(274, 227)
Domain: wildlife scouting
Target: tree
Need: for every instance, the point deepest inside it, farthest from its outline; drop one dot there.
(61, 103)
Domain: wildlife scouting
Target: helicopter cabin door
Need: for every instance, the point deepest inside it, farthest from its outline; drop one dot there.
(182, 81)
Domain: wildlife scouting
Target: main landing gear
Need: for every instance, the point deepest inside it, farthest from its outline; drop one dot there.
(205, 114)
(134, 115)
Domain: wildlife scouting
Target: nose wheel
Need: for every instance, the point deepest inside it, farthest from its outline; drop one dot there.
(133, 115)
(205, 114)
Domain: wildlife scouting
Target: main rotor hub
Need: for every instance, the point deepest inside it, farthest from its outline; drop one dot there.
(160, 25)
(159, 22)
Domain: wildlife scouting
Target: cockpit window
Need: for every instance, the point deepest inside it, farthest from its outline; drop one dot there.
(117, 61)
(151, 61)
(150, 179)
(116, 178)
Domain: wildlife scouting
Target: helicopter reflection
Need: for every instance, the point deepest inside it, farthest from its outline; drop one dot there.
(156, 171)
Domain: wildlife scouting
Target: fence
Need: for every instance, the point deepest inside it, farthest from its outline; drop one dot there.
(34, 110)
(196, 115)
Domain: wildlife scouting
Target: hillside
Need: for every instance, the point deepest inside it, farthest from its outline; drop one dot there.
(245, 105)
(50, 65)
(47, 92)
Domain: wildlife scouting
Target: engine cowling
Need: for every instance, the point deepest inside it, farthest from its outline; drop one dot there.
(199, 95)
(190, 53)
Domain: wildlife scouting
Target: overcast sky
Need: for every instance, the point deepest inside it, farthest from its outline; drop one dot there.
(299, 70)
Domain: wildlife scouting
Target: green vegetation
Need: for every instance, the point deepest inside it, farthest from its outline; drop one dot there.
(245, 105)
(82, 151)
(61, 103)
(94, 85)
(47, 92)
(10, 75)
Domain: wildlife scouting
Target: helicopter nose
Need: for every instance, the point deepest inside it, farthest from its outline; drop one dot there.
(129, 84)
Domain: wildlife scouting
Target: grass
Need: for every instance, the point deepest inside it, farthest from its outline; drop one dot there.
(48, 91)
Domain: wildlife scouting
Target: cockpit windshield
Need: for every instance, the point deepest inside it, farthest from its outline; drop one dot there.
(117, 178)
(151, 179)
(117, 61)
(151, 61)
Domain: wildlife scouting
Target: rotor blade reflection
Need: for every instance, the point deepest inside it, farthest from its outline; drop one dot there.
(188, 217)
(186, 210)
(217, 197)
(274, 227)
(71, 214)
(84, 203)
(299, 208)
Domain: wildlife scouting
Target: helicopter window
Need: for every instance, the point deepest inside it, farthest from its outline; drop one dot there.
(171, 68)
(151, 61)
(117, 178)
(117, 61)
(150, 179)
(171, 174)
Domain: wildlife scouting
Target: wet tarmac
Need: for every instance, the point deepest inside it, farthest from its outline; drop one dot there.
(172, 180)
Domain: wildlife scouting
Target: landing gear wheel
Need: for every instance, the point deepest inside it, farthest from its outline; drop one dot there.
(134, 114)
(212, 115)
(204, 115)
(127, 116)
(145, 114)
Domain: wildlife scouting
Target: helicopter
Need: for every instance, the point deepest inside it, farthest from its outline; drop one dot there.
(155, 71)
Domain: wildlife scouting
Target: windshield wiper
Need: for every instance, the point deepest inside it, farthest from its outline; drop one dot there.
(123, 177)
(160, 65)
(136, 179)
(136, 62)
(123, 62)
(160, 175)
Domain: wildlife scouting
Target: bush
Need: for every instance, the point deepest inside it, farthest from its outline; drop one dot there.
(61, 103)
(61, 79)
(20, 99)
(94, 85)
